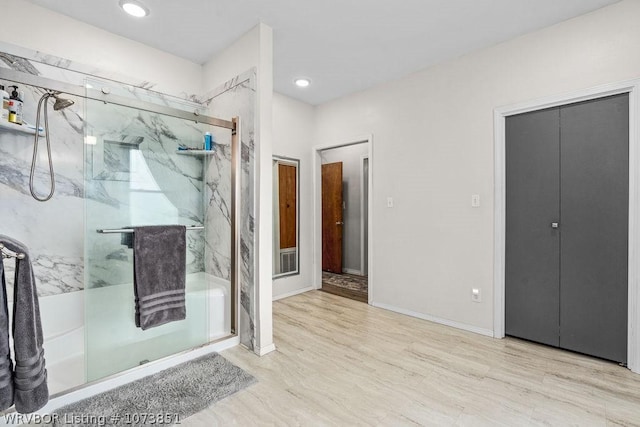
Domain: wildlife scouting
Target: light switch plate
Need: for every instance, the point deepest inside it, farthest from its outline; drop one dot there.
(389, 202)
(475, 200)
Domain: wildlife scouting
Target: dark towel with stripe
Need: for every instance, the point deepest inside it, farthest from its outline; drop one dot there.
(159, 269)
(29, 379)
(6, 364)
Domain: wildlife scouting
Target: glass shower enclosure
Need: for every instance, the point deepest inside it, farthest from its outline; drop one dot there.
(148, 168)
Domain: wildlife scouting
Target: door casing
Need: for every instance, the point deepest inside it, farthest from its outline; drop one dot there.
(632, 87)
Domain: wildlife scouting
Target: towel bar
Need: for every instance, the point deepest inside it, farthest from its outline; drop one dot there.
(130, 230)
(7, 253)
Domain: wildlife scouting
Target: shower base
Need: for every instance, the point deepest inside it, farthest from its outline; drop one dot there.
(64, 330)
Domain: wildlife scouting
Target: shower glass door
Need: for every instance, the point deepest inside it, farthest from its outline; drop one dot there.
(135, 176)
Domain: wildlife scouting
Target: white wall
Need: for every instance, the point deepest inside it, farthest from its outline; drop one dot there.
(433, 149)
(255, 50)
(293, 130)
(264, 228)
(240, 56)
(351, 158)
(55, 34)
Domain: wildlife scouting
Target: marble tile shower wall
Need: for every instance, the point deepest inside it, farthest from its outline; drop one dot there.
(238, 98)
(132, 175)
(53, 231)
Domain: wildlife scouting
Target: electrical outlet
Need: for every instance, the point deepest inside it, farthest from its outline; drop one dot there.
(475, 295)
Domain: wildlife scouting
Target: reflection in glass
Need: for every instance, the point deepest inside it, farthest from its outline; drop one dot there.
(285, 216)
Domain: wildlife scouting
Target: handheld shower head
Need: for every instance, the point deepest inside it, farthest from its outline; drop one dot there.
(61, 103)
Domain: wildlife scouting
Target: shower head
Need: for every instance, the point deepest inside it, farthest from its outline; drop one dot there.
(61, 103)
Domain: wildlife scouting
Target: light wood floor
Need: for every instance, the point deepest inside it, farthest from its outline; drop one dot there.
(340, 362)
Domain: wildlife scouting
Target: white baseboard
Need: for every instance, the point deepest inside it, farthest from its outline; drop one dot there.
(265, 350)
(292, 293)
(446, 322)
(134, 374)
(352, 271)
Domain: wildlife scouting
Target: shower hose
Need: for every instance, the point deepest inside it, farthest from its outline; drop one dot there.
(52, 188)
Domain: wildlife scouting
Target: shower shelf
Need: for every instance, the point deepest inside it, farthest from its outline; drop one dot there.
(18, 128)
(195, 152)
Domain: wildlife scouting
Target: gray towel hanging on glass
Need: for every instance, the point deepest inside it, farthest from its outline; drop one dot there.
(159, 257)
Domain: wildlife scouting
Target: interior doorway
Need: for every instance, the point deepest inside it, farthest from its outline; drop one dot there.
(343, 240)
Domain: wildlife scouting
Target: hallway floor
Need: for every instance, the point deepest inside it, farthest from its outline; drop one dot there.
(346, 285)
(339, 362)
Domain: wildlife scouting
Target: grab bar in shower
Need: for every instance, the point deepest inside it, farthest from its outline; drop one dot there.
(130, 230)
(7, 253)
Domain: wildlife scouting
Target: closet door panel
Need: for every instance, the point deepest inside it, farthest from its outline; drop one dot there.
(594, 186)
(532, 245)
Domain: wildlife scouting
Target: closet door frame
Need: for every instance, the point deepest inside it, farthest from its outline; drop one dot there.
(632, 87)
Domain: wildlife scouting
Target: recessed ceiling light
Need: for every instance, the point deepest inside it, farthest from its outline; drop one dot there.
(134, 8)
(302, 82)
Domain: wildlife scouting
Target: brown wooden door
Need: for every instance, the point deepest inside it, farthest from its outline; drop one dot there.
(287, 198)
(332, 221)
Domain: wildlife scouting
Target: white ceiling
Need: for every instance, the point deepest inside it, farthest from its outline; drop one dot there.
(343, 45)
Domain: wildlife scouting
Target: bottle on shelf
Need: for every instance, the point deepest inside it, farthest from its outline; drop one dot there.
(15, 106)
(207, 141)
(4, 111)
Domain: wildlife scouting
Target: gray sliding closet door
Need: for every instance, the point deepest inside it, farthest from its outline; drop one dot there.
(532, 245)
(594, 186)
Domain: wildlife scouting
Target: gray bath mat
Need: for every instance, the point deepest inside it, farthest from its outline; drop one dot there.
(165, 398)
